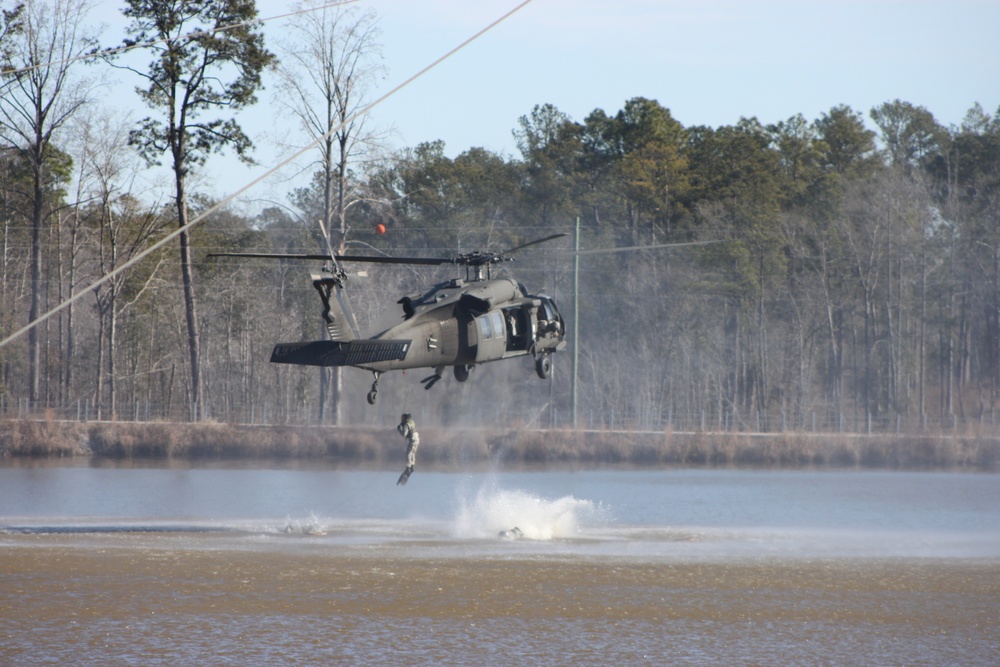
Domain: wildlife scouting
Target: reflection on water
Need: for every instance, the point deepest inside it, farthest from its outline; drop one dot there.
(110, 566)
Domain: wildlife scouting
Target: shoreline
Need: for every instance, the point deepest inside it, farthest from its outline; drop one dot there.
(441, 447)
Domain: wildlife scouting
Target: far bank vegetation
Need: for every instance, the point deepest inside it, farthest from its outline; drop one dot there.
(838, 273)
(463, 448)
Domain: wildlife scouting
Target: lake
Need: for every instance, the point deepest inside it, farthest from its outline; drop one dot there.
(217, 565)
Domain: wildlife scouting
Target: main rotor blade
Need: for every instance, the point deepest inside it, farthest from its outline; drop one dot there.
(602, 251)
(326, 239)
(345, 305)
(270, 255)
(436, 261)
(475, 258)
(433, 261)
(530, 243)
(378, 259)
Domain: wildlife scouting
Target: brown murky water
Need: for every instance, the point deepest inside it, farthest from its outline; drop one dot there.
(112, 566)
(209, 599)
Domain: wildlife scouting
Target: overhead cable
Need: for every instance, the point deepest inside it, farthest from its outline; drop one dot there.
(223, 202)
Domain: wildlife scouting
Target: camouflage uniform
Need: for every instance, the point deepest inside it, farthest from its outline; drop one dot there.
(408, 429)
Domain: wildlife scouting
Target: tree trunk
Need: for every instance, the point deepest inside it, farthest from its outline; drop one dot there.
(70, 330)
(190, 302)
(99, 384)
(113, 351)
(34, 341)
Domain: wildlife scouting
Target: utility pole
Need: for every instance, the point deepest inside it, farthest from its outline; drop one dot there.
(576, 320)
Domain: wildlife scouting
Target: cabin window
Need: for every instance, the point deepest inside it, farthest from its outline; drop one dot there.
(491, 326)
(497, 320)
(485, 328)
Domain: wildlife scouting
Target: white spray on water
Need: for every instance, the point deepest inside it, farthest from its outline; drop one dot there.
(490, 511)
(312, 525)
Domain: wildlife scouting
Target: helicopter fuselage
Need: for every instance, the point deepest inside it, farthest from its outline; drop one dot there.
(465, 324)
(459, 323)
(455, 324)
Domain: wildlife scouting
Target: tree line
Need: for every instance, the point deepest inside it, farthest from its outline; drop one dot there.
(841, 272)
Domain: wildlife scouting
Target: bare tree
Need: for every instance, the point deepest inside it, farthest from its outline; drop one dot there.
(125, 226)
(39, 96)
(328, 63)
(196, 45)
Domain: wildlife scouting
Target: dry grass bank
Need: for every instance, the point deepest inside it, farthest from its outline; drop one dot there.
(181, 440)
(162, 440)
(790, 450)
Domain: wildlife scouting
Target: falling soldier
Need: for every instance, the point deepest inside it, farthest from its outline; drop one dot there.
(408, 429)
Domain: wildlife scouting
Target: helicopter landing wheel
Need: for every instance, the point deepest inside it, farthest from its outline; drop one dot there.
(462, 372)
(374, 392)
(543, 366)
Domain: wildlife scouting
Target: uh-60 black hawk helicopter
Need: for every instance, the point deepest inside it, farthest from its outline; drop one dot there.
(458, 323)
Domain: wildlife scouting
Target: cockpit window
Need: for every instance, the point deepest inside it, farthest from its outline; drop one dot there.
(548, 310)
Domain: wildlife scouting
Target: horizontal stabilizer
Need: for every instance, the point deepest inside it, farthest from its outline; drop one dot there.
(356, 352)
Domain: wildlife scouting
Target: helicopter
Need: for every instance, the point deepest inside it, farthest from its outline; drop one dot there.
(459, 323)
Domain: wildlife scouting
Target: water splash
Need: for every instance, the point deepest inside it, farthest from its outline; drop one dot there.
(490, 512)
(311, 525)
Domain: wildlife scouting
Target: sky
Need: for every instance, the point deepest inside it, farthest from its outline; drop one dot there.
(711, 62)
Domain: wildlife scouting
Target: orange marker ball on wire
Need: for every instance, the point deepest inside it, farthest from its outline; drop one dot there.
(380, 228)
